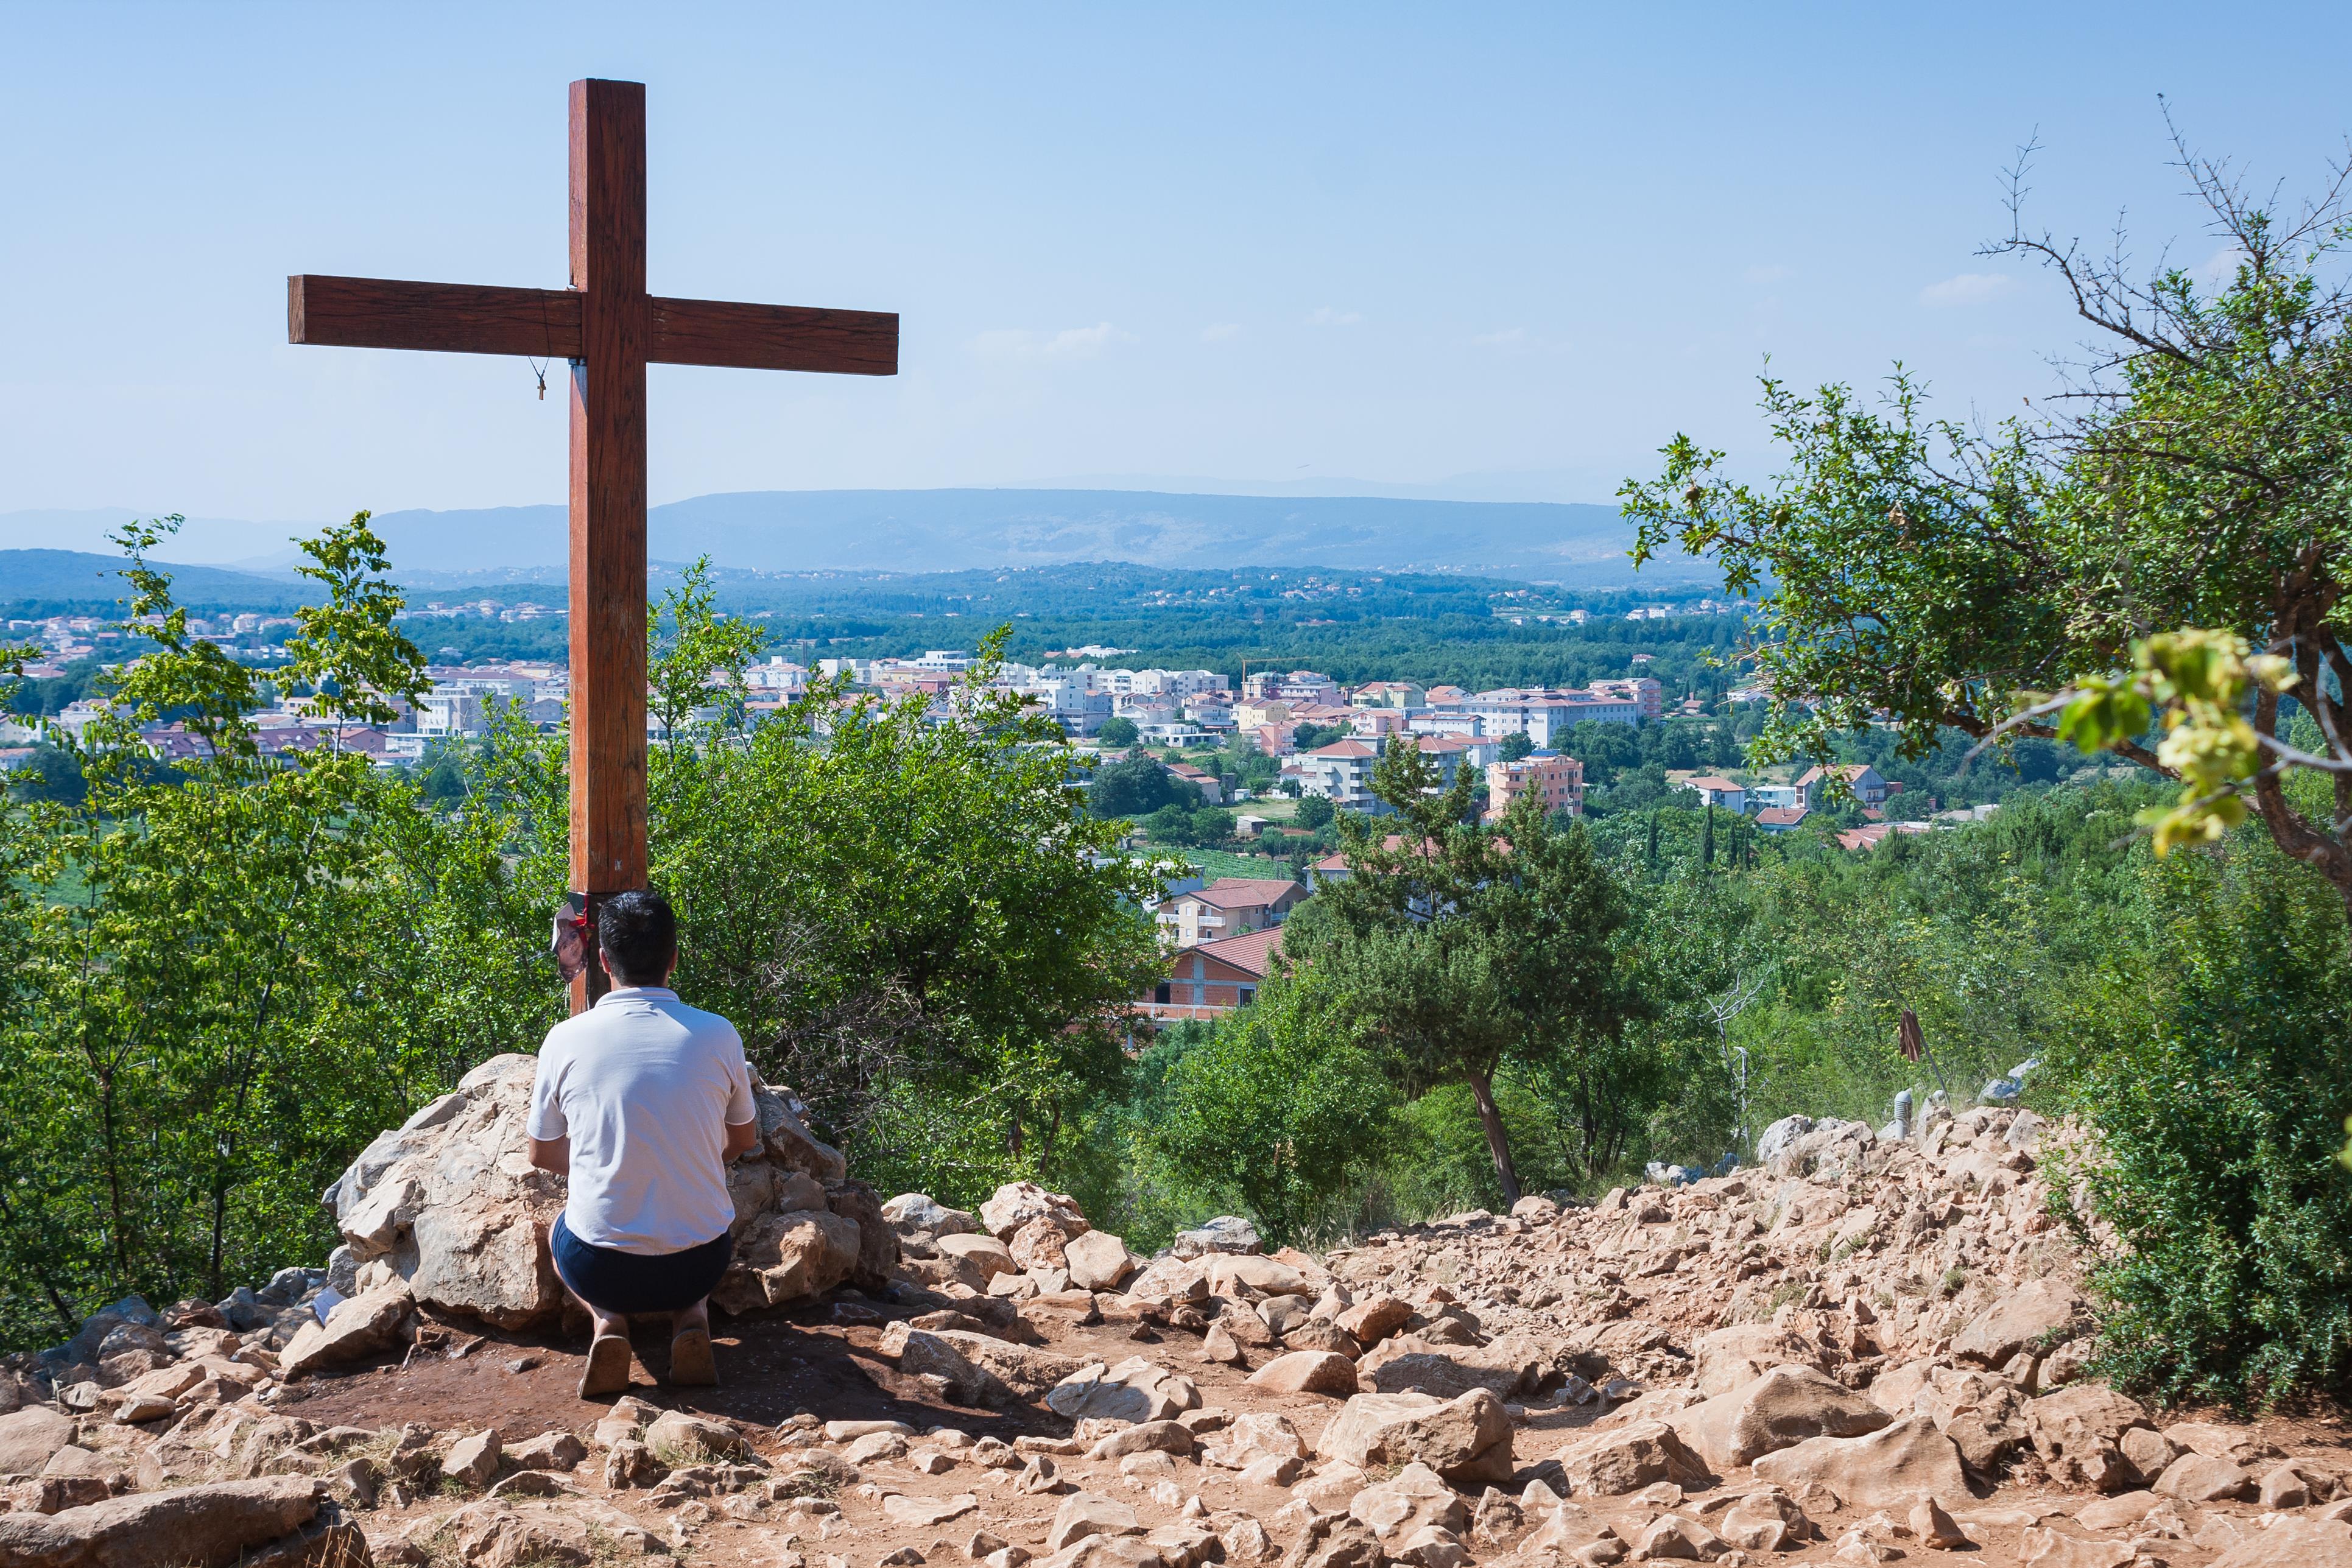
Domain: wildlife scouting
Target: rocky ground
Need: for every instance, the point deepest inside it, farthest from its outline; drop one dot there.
(1865, 1350)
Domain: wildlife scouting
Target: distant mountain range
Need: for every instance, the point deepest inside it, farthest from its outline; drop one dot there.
(1577, 545)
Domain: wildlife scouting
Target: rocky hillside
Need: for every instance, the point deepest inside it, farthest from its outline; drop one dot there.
(1866, 1350)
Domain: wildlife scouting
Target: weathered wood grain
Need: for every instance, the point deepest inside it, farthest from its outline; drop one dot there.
(451, 318)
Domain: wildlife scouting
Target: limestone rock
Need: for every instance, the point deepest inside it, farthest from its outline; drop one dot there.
(678, 1437)
(922, 1353)
(1089, 1513)
(2199, 1478)
(1734, 1357)
(1040, 1247)
(915, 1216)
(1307, 1372)
(1768, 1521)
(1780, 1409)
(1509, 1367)
(1263, 1276)
(547, 1451)
(30, 1437)
(1374, 1320)
(472, 1461)
(1025, 1370)
(1674, 1536)
(1982, 1413)
(1466, 1440)
(367, 1325)
(1886, 1469)
(2293, 1544)
(1628, 1458)
(877, 1244)
(500, 1533)
(198, 1526)
(1228, 1233)
(2019, 1320)
(2078, 1431)
(1137, 1389)
(1099, 1260)
(1416, 1497)
(1335, 1541)
(981, 1258)
(1171, 1278)
(2041, 1548)
(1258, 1435)
(786, 1257)
(1016, 1204)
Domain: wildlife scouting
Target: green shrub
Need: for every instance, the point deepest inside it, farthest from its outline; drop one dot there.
(2215, 1059)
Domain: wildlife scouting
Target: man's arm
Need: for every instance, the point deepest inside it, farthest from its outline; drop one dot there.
(555, 1154)
(743, 1137)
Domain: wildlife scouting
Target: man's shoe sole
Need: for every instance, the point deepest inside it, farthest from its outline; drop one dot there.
(607, 1371)
(691, 1365)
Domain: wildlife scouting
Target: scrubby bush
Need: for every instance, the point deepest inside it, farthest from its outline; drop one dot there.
(2214, 1058)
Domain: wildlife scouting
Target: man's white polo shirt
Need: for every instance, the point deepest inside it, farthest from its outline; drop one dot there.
(644, 1087)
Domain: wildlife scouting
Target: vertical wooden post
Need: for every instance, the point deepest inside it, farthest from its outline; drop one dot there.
(608, 498)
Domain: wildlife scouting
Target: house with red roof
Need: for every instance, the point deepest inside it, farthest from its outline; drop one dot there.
(1229, 907)
(1215, 977)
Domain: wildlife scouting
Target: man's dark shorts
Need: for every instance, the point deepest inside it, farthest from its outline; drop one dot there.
(632, 1283)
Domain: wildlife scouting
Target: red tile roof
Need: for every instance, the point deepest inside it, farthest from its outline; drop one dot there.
(1253, 951)
(1344, 749)
(1244, 891)
(1781, 816)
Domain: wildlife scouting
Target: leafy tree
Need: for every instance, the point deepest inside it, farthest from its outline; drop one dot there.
(1171, 824)
(220, 982)
(1119, 731)
(1134, 788)
(444, 784)
(49, 774)
(1279, 1109)
(1459, 947)
(1314, 812)
(1515, 747)
(1948, 575)
(916, 925)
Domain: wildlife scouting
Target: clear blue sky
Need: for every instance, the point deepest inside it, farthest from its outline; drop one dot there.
(1522, 243)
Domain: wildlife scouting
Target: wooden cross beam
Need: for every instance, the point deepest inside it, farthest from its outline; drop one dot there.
(610, 328)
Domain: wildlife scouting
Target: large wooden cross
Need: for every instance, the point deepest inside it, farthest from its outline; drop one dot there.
(610, 328)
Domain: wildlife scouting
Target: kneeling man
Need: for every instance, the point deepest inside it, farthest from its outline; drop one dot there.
(642, 1101)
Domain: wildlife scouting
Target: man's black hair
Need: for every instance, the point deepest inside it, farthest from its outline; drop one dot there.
(639, 935)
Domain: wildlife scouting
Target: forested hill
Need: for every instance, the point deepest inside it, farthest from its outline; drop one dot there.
(55, 581)
(949, 530)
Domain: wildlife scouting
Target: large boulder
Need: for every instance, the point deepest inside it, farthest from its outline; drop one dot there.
(788, 1256)
(1226, 1233)
(1016, 1202)
(193, 1527)
(1135, 1390)
(1886, 1469)
(1779, 1410)
(2038, 1312)
(1626, 1459)
(30, 1437)
(1510, 1365)
(917, 1217)
(367, 1325)
(1466, 1440)
(1734, 1357)
(2079, 1432)
(2293, 1544)
(1099, 1260)
(450, 1201)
